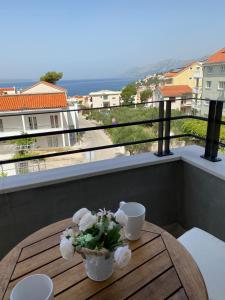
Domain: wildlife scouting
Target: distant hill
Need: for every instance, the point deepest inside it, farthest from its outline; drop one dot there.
(159, 67)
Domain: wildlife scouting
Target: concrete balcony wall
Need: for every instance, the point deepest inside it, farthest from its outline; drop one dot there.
(181, 188)
(203, 201)
(31, 208)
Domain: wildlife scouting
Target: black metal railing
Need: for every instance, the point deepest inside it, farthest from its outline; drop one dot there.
(212, 142)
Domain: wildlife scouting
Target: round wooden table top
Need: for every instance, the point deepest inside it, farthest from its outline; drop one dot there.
(160, 268)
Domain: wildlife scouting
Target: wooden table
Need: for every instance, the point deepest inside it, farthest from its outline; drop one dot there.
(160, 268)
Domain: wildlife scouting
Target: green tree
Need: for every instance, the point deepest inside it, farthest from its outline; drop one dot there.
(51, 77)
(128, 93)
(145, 95)
(24, 145)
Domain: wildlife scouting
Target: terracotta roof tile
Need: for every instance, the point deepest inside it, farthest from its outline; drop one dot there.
(175, 90)
(178, 71)
(170, 74)
(32, 101)
(219, 56)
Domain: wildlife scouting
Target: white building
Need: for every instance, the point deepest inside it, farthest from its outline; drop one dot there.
(181, 96)
(7, 91)
(43, 87)
(34, 113)
(104, 98)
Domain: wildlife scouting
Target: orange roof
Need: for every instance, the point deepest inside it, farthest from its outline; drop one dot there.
(46, 83)
(5, 89)
(32, 101)
(219, 56)
(171, 74)
(175, 90)
(178, 71)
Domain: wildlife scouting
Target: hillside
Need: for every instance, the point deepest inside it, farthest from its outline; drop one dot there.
(159, 67)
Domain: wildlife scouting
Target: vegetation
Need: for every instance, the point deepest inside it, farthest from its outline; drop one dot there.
(24, 151)
(145, 95)
(132, 133)
(128, 93)
(52, 77)
(3, 174)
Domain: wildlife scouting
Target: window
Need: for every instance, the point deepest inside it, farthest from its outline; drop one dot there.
(209, 69)
(221, 85)
(1, 125)
(105, 97)
(208, 84)
(190, 78)
(54, 121)
(223, 68)
(32, 122)
(106, 104)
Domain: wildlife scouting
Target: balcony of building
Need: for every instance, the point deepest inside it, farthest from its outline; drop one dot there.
(181, 189)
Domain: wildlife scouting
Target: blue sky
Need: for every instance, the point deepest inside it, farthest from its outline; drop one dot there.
(104, 38)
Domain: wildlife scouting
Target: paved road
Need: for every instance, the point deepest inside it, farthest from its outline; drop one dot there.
(97, 138)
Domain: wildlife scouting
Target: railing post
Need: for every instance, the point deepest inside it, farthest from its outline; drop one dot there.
(167, 126)
(218, 118)
(213, 130)
(160, 129)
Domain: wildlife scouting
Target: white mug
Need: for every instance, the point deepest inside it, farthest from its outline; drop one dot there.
(34, 287)
(136, 216)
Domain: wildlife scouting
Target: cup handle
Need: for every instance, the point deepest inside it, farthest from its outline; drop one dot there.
(122, 203)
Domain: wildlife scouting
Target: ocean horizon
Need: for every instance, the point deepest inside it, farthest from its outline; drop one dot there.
(77, 86)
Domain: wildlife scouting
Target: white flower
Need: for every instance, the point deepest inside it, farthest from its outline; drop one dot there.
(111, 225)
(87, 221)
(121, 217)
(66, 248)
(67, 233)
(122, 256)
(104, 212)
(79, 214)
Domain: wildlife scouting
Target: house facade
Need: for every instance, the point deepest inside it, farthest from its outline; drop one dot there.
(180, 95)
(34, 113)
(214, 76)
(43, 87)
(190, 75)
(213, 79)
(7, 91)
(104, 98)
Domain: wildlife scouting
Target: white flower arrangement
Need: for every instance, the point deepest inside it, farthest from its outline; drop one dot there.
(99, 234)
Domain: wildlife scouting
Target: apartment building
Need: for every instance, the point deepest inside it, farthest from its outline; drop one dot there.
(213, 79)
(104, 98)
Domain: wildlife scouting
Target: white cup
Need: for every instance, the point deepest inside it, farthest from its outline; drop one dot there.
(34, 287)
(136, 216)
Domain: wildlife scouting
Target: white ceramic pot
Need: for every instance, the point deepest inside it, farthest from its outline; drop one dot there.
(99, 268)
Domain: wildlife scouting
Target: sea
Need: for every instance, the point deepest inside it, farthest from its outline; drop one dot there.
(76, 87)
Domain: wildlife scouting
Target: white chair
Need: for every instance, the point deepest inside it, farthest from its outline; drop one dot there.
(209, 254)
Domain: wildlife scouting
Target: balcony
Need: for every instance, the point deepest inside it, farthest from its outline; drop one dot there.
(198, 74)
(180, 191)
